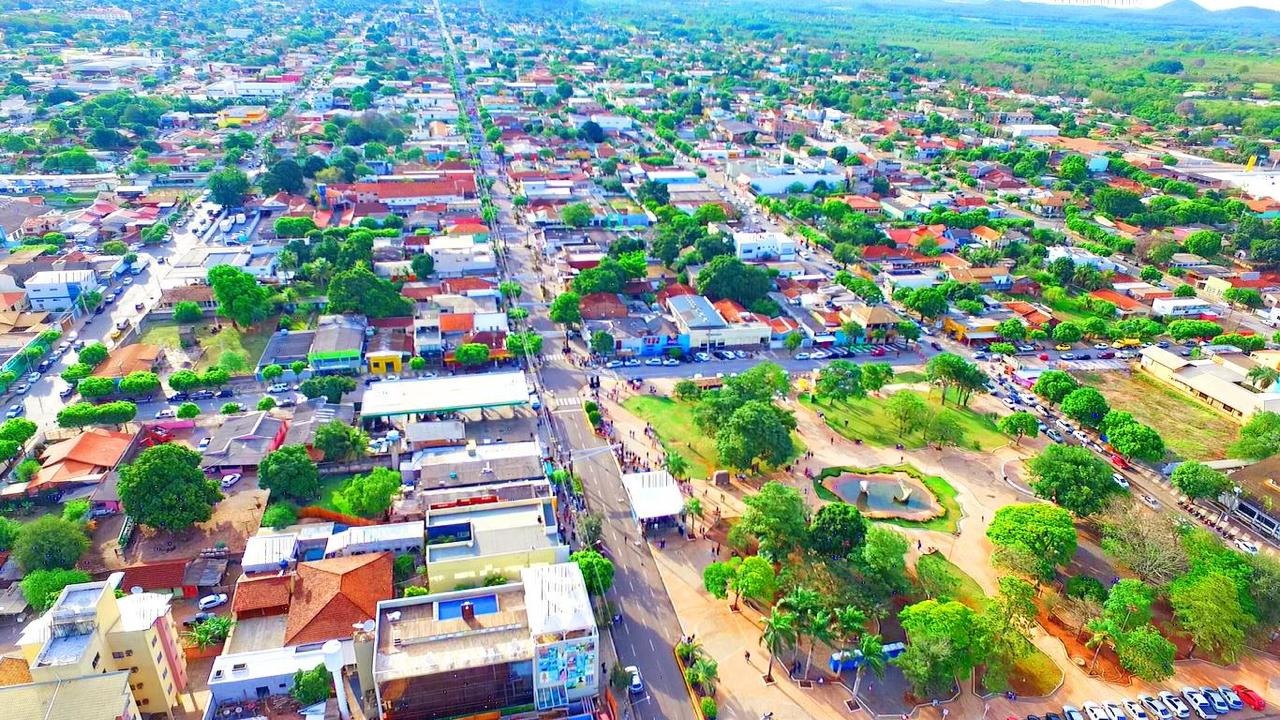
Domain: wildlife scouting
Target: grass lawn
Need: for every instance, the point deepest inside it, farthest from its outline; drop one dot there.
(941, 489)
(1169, 412)
(1034, 675)
(866, 419)
(673, 420)
(328, 486)
(908, 377)
(248, 344)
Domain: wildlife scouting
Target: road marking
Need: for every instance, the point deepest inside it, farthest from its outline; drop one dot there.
(569, 401)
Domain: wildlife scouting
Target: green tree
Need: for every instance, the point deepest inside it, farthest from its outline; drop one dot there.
(577, 215)
(312, 686)
(518, 344)
(566, 309)
(139, 383)
(358, 290)
(187, 312)
(241, 299)
(1205, 243)
(471, 354)
(726, 276)
(50, 543)
(340, 442)
(716, 576)
(1137, 441)
(876, 375)
(779, 633)
(1072, 477)
(753, 579)
(96, 387)
(1146, 653)
(164, 487)
(290, 473)
(272, 372)
(1086, 406)
(1197, 480)
(944, 642)
(1055, 385)
(1019, 424)
(793, 340)
(330, 387)
(1209, 611)
(1044, 531)
(41, 588)
(1259, 437)
(213, 631)
(1012, 329)
(776, 517)
(279, 515)
(926, 302)
(936, 580)
(837, 530)
(368, 495)
(9, 530)
(597, 570)
(840, 380)
(423, 265)
(188, 410)
(757, 431)
(1067, 332)
(908, 412)
(228, 186)
(93, 354)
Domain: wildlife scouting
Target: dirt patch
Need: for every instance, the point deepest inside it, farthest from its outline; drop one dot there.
(234, 519)
(1169, 412)
(1108, 665)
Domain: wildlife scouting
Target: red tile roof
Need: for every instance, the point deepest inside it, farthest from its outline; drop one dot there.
(457, 322)
(154, 576)
(262, 594)
(92, 452)
(329, 596)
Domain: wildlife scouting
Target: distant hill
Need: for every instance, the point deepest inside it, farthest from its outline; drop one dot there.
(1266, 10)
(1147, 12)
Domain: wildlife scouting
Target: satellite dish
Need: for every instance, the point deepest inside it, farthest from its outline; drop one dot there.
(368, 626)
(135, 590)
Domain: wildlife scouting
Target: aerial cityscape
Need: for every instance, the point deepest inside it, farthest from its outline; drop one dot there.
(620, 360)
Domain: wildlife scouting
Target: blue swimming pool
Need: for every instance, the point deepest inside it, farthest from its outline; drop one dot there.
(450, 609)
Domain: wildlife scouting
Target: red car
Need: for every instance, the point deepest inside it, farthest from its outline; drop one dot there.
(1249, 697)
(877, 352)
(1119, 462)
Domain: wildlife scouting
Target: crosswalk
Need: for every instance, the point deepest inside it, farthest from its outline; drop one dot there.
(569, 401)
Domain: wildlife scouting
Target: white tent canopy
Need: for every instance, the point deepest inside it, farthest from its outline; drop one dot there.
(653, 494)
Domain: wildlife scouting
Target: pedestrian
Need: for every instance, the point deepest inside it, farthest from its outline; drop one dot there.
(747, 655)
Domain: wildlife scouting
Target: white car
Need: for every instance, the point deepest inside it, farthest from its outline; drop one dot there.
(653, 361)
(1219, 703)
(1095, 712)
(1231, 697)
(208, 602)
(165, 412)
(613, 364)
(1247, 547)
(1175, 704)
(21, 388)
(670, 362)
(637, 684)
(278, 388)
(1120, 480)
(1156, 707)
(230, 480)
(204, 443)
(1133, 708)
(819, 355)
(801, 356)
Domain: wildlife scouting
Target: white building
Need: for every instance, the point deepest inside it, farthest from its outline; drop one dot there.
(57, 290)
(1080, 256)
(401, 538)
(1030, 130)
(457, 255)
(250, 90)
(778, 180)
(1181, 307)
(753, 247)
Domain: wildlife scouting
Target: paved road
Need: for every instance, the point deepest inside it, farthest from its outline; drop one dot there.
(649, 629)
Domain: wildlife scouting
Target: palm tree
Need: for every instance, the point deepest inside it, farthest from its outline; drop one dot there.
(779, 632)
(704, 673)
(806, 604)
(872, 649)
(851, 621)
(677, 465)
(1263, 377)
(688, 650)
(692, 509)
(818, 628)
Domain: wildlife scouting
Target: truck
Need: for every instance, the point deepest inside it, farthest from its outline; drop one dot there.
(226, 224)
(1270, 316)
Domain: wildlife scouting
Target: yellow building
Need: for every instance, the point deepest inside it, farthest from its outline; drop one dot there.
(469, 543)
(90, 631)
(242, 115)
(969, 329)
(104, 696)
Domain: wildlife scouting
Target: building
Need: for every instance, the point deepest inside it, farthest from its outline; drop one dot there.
(701, 321)
(338, 344)
(1181, 307)
(57, 290)
(242, 115)
(459, 255)
(474, 464)
(89, 631)
(250, 90)
(1220, 381)
(483, 650)
(256, 675)
(473, 544)
(1080, 256)
(138, 357)
(81, 460)
(241, 441)
(104, 696)
(759, 247)
(402, 538)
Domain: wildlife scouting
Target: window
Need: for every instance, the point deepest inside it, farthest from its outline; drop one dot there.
(97, 658)
(165, 675)
(170, 688)
(159, 657)
(154, 640)
(117, 656)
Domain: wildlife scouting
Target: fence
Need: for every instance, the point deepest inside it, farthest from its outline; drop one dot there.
(319, 513)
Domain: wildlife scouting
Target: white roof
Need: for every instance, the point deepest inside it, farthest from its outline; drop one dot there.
(555, 598)
(653, 494)
(139, 611)
(445, 394)
(261, 550)
(277, 662)
(372, 534)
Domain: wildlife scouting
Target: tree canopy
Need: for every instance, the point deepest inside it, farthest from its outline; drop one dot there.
(1072, 477)
(164, 487)
(289, 473)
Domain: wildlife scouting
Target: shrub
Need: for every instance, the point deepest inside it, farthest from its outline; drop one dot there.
(708, 707)
(279, 515)
(403, 568)
(1082, 586)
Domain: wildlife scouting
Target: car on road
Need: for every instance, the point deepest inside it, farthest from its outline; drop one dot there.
(202, 395)
(818, 355)
(1062, 347)
(127, 281)
(21, 388)
(1107, 355)
(1156, 707)
(877, 351)
(637, 683)
(278, 388)
(15, 411)
(801, 356)
(208, 602)
(165, 412)
(33, 377)
(204, 443)
(935, 345)
(1250, 698)
(1175, 704)
(1247, 547)
(225, 393)
(1150, 502)
(1067, 356)
(670, 362)
(611, 364)
(653, 361)
(229, 480)
(1120, 480)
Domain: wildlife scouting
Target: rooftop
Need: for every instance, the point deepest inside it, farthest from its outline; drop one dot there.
(330, 595)
(493, 531)
(477, 464)
(445, 394)
(91, 697)
(695, 312)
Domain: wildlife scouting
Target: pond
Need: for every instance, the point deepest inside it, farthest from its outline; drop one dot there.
(889, 495)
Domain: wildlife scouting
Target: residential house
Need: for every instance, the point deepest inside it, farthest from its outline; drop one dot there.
(58, 290)
(137, 357)
(879, 324)
(338, 344)
(241, 441)
(83, 460)
(764, 246)
(102, 696)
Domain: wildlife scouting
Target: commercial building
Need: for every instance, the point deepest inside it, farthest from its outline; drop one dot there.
(430, 396)
(470, 544)
(338, 345)
(762, 246)
(702, 322)
(1180, 307)
(89, 631)
(483, 650)
(475, 464)
(58, 290)
(1221, 380)
(249, 90)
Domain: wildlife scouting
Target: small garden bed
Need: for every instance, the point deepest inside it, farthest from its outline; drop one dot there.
(942, 491)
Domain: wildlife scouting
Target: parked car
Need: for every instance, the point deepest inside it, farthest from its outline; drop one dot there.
(877, 351)
(1071, 712)
(701, 357)
(197, 619)
(1134, 709)
(631, 362)
(1149, 501)
(66, 392)
(1231, 697)
(225, 393)
(1120, 480)
(1219, 703)
(15, 411)
(204, 443)
(278, 388)
(801, 356)
(1106, 355)
(21, 388)
(1094, 711)
(819, 355)
(202, 395)
(1156, 707)
(1067, 356)
(1062, 347)
(208, 602)
(653, 361)
(229, 480)
(1198, 703)
(1250, 698)
(670, 362)
(1054, 435)
(1175, 704)
(612, 364)
(165, 412)
(1247, 547)
(935, 345)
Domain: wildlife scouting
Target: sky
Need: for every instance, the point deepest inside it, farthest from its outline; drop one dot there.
(1228, 4)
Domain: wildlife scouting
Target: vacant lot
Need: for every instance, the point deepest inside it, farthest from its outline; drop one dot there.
(1190, 430)
(235, 349)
